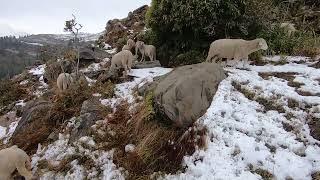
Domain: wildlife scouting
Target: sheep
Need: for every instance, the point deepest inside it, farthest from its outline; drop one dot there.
(64, 81)
(126, 47)
(122, 59)
(14, 158)
(235, 48)
(288, 27)
(146, 50)
(131, 43)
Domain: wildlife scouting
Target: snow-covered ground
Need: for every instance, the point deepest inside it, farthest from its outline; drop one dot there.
(243, 138)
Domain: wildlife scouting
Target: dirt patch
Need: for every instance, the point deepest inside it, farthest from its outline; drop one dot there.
(314, 125)
(306, 93)
(288, 127)
(269, 104)
(266, 175)
(288, 76)
(315, 65)
(292, 103)
(315, 176)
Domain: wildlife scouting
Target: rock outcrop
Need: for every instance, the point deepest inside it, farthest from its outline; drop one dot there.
(35, 125)
(128, 27)
(185, 94)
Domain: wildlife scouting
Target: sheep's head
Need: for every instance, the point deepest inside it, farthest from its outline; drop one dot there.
(139, 44)
(262, 44)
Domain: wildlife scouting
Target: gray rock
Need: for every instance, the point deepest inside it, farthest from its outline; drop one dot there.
(185, 94)
(146, 64)
(90, 113)
(35, 125)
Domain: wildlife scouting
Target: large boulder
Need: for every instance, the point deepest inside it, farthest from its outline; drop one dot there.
(185, 94)
(35, 125)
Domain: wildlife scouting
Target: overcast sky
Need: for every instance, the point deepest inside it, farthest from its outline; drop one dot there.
(48, 16)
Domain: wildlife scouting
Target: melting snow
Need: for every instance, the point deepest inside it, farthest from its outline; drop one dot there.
(39, 70)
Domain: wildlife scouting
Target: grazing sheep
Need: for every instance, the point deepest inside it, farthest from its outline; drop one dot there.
(288, 27)
(64, 81)
(236, 49)
(146, 50)
(14, 158)
(123, 59)
(126, 47)
(131, 43)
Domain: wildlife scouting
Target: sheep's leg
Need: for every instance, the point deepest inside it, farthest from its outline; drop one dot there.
(245, 63)
(143, 57)
(23, 171)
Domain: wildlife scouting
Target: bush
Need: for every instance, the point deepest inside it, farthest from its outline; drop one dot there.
(182, 26)
(299, 43)
(120, 43)
(9, 93)
(190, 57)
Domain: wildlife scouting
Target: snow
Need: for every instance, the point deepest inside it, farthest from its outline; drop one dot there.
(125, 90)
(129, 148)
(3, 132)
(34, 44)
(237, 124)
(112, 51)
(12, 127)
(39, 70)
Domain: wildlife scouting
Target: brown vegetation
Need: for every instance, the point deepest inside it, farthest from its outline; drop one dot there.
(158, 146)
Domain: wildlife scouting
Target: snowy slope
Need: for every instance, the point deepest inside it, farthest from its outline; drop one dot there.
(244, 139)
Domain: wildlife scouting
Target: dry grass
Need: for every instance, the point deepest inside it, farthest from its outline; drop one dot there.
(9, 93)
(266, 175)
(269, 104)
(105, 89)
(314, 125)
(159, 147)
(315, 176)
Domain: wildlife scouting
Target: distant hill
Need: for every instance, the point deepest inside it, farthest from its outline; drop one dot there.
(17, 53)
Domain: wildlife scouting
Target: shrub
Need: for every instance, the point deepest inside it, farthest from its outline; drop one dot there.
(190, 57)
(182, 26)
(9, 93)
(120, 43)
(299, 43)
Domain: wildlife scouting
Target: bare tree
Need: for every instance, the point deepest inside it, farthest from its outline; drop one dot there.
(74, 27)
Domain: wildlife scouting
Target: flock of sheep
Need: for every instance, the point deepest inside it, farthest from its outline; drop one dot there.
(13, 158)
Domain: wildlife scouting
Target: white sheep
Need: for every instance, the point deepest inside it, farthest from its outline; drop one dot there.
(14, 158)
(64, 81)
(288, 27)
(237, 49)
(123, 59)
(146, 50)
(131, 43)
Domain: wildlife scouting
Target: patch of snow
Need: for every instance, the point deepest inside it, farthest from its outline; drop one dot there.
(125, 90)
(112, 51)
(34, 44)
(21, 103)
(90, 81)
(39, 70)
(24, 82)
(12, 128)
(88, 141)
(3, 132)
(129, 148)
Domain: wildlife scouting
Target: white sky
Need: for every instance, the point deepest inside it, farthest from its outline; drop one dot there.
(48, 16)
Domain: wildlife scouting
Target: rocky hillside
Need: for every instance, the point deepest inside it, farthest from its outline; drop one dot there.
(128, 27)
